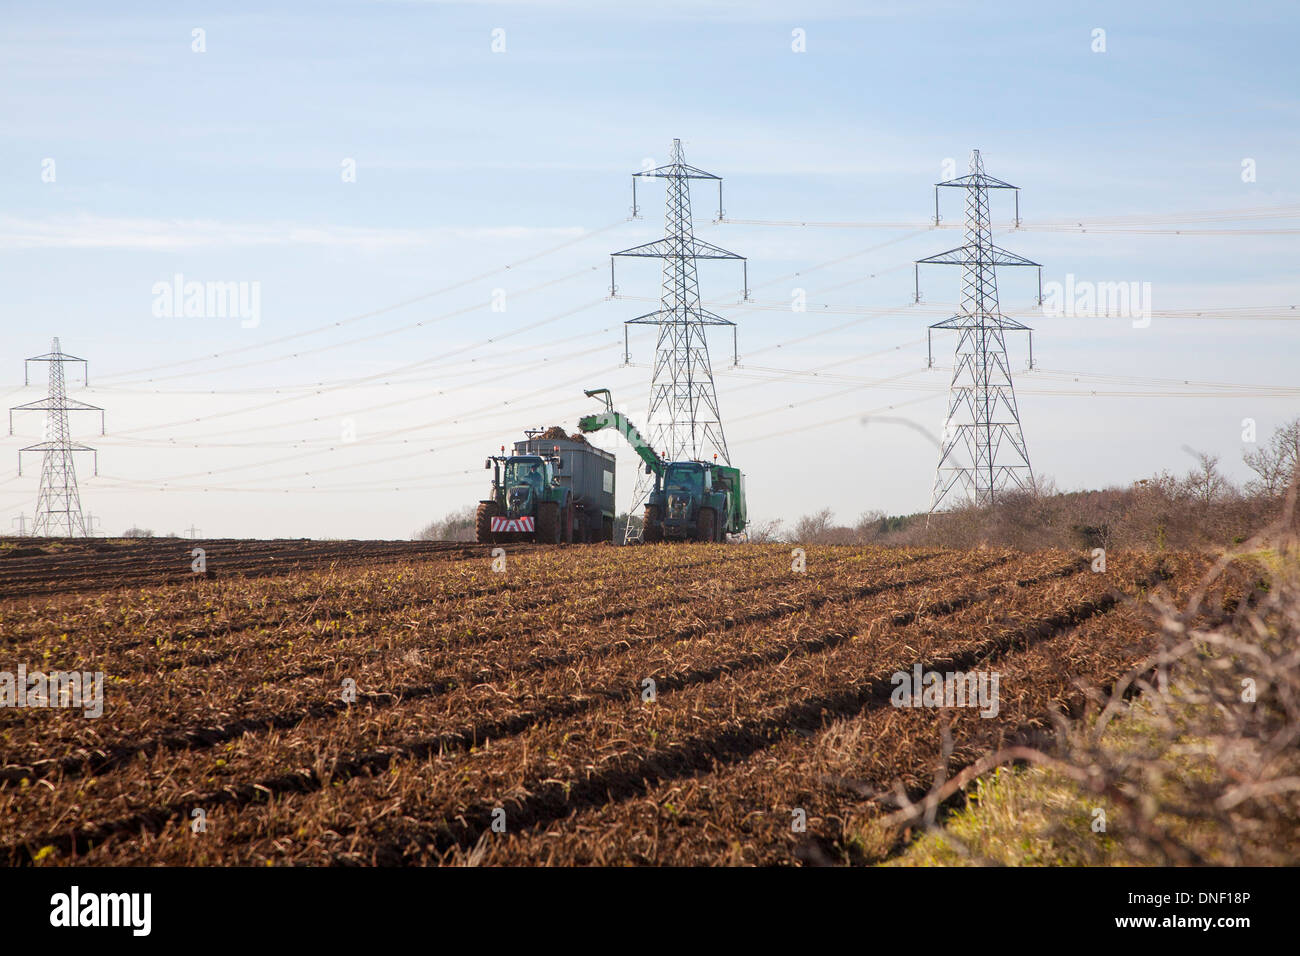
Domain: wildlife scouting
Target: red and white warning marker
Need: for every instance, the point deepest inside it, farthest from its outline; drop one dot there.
(513, 524)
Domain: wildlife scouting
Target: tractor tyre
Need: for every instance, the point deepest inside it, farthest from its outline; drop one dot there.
(548, 523)
(487, 510)
(607, 530)
(706, 527)
(652, 532)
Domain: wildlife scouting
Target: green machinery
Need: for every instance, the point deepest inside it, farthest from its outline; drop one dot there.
(527, 502)
(551, 490)
(691, 500)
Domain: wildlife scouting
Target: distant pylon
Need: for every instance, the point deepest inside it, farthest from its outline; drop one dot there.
(58, 505)
(683, 421)
(983, 448)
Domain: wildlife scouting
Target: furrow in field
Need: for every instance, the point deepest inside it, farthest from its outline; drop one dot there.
(569, 692)
(233, 704)
(687, 710)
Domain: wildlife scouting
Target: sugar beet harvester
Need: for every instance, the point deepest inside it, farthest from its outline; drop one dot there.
(552, 489)
(691, 500)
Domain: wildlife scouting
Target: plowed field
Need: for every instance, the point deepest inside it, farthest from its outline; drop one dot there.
(653, 705)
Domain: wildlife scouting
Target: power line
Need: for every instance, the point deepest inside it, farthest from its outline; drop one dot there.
(1124, 223)
(466, 310)
(825, 422)
(513, 373)
(455, 420)
(747, 307)
(333, 385)
(413, 371)
(372, 313)
(1195, 389)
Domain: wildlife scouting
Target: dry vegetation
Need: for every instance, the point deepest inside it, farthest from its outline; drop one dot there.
(524, 692)
(1202, 768)
(1200, 509)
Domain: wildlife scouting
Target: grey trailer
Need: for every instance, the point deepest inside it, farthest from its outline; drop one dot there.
(588, 472)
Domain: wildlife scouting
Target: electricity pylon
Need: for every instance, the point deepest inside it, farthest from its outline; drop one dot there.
(58, 505)
(983, 449)
(683, 421)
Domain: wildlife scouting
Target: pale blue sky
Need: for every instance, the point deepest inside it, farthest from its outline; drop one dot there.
(226, 166)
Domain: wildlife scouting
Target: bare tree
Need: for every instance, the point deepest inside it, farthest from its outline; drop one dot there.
(1205, 484)
(1275, 462)
(456, 526)
(871, 525)
(814, 528)
(765, 532)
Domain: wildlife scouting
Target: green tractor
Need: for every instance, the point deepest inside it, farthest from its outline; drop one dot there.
(691, 500)
(527, 502)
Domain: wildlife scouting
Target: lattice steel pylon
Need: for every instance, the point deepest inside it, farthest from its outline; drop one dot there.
(683, 421)
(58, 505)
(983, 448)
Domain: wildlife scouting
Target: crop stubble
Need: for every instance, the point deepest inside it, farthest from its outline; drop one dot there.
(524, 692)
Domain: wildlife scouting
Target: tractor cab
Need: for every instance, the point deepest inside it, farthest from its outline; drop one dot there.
(685, 485)
(690, 477)
(689, 503)
(520, 482)
(525, 480)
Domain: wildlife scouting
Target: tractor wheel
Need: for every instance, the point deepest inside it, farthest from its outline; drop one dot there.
(487, 510)
(548, 523)
(706, 528)
(652, 532)
(607, 530)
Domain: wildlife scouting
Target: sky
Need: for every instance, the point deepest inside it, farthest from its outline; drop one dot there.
(417, 202)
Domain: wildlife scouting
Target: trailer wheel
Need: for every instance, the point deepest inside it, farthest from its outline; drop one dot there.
(652, 531)
(548, 523)
(487, 510)
(706, 528)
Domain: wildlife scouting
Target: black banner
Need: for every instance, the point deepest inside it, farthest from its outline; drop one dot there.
(337, 906)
